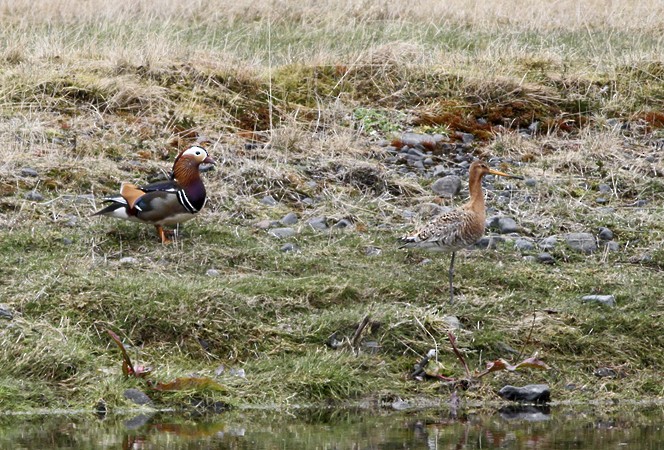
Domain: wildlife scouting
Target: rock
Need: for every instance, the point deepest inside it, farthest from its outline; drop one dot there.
(5, 312)
(289, 219)
(343, 223)
(523, 245)
(318, 223)
(212, 273)
(581, 242)
(604, 188)
(128, 260)
(448, 186)
(400, 405)
(605, 372)
(530, 182)
(612, 246)
(266, 224)
(268, 200)
(608, 300)
(507, 225)
(29, 172)
(452, 322)
(601, 200)
(531, 393)
(605, 234)
(67, 241)
(289, 247)
(489, 242)
(466, 138)
(545, 258)
(548, 243)
(372, 251)
(35, 196)
(420, 141)
(138, 397)
(281, 233)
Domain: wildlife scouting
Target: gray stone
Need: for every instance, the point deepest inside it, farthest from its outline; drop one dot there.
(507, 225)
(605, 234)
(452, 322)
(266, 224)
(601, 201)
(35, 196)
(289, 219)
(581, 242)
(138, 397)
(531, 393)
(289, 247)
(604, 188)
(531, 182)
(448, 186)
(343, 223)
(489, 242)
(612, 246)
(523, 245)
(29, 172)
(5, 312)
(268, 200)
(548, 243)
(605, 372)
(545, 258)
(372, 251)
(67, 241)
(282, 232)
(418, 140)
(128, 260)
(212, 273)
(318, 223)
(608, 300)
(466, 138)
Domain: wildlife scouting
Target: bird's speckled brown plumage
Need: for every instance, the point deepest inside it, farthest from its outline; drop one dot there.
(459, 228)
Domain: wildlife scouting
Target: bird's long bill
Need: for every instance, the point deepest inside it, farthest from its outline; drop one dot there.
(503, 174)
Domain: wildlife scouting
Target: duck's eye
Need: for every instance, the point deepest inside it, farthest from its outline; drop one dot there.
(198, 153)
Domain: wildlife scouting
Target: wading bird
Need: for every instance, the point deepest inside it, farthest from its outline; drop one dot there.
(459, 228)
(164, 203)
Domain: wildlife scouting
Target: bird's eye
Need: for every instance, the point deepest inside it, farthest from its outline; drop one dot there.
(198, 153)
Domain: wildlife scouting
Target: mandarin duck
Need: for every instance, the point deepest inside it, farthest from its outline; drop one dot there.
(458, 228)
(164, 203)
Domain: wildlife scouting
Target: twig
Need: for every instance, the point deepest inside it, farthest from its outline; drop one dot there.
(458, 354)
(355, 342)
(523, 347)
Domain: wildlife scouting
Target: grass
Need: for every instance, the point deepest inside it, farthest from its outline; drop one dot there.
(295, 106)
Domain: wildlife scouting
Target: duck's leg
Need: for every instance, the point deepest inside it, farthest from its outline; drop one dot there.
(451, 275)
(162, 234)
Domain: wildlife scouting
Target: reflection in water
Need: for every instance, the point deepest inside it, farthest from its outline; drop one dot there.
(514, 427)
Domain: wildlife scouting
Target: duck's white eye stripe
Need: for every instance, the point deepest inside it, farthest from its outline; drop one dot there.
(195, 151)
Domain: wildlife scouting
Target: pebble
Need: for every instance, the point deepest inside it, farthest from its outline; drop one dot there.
(343, 223)
(67, 241)
(545, 258)
(608, 300)
(612, 246)
(604, 188)
(605, 372)
(372, 251)
(489, 242)
(448, 186)
(280, 233)
(35, 196)
(289, 219)
(452, 322)
(29, 172)
(289, 247)
(128, 260)
(138, 397)
(466, 138)
(318, 223)
(605, 234)
(548, 243)
(268, 200)
(531, 182)
(523, 245)
(507, 225)
(581, 242)
(266, 224)
(532, 393)
(212, 273)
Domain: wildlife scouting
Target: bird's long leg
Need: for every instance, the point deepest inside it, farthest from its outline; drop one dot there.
(162, 234)
(451, 274)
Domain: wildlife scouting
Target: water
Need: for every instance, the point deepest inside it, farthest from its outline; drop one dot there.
(590, 427)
